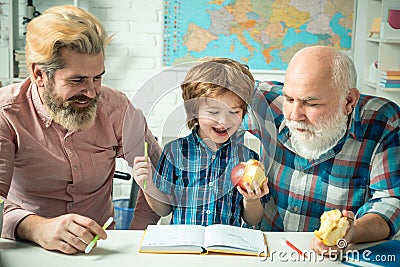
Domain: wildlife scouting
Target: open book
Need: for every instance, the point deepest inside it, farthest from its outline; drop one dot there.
(203, 239)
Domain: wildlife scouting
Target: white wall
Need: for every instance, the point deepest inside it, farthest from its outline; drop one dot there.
(133, 59)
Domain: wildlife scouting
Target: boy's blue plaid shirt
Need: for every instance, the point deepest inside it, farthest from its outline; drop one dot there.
(198, 179)
(361, 173)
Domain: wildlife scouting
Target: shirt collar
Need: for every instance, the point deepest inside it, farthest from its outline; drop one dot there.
(40, 107)
(355, 128)
(283, 126)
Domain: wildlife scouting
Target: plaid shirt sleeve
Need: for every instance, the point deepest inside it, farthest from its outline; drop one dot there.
(385, 167)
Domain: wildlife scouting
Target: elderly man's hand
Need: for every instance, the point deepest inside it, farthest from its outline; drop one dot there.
(319, 247)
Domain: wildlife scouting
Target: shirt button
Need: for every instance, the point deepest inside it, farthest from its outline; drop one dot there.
(213, 156)
(210, 184)
(208, 212)
(66, 139)
(296, 209)
(75, 168)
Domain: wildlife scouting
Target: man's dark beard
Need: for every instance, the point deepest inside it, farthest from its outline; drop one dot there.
(66, 113)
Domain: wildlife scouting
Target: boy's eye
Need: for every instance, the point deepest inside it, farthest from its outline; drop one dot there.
(213, 112)
(235, 112)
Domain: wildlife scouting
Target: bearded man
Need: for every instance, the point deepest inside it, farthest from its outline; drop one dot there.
(60, 133)
(335, 149)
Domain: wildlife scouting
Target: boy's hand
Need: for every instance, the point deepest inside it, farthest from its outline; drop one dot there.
(142, 171)
(252, 206)
(259, 192)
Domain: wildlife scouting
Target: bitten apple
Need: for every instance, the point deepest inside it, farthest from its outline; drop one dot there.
(333, 227)
(249, 171)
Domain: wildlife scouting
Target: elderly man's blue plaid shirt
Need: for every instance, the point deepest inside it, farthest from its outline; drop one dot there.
(361, 173)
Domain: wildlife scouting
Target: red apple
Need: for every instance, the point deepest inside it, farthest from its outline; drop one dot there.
(249, 171)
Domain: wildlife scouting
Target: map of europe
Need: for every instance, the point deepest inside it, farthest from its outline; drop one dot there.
(264, 34)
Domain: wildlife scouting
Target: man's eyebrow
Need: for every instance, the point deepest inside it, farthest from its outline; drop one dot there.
(101, 74)
(310, 98)
(285, 95)
(305, 99)
(81, 76)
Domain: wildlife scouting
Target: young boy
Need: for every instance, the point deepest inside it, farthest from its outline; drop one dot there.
(192, 179)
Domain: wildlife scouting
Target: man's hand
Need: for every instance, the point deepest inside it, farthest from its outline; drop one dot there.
(68, 233)
(319, 247)
(369, 228)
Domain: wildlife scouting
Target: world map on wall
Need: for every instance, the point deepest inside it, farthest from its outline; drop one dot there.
(264, 34)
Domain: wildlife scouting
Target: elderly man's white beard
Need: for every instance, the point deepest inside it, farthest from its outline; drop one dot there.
(317, 140)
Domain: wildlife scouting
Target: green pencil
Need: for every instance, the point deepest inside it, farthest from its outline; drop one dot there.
(146, 158)
(91, 244)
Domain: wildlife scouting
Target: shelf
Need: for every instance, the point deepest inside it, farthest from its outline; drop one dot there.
(373, 87)
(373, 40)
(370, 84)
(384, 89)
(387, 41)
(382, 47)
(390, 41)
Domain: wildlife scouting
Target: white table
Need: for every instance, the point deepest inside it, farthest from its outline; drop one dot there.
(121, 249)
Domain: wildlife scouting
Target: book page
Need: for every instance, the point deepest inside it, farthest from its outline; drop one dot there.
(237, 238)
(173, 235)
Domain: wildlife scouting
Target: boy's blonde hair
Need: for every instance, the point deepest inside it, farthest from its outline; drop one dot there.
(214, 77)
(62, 27)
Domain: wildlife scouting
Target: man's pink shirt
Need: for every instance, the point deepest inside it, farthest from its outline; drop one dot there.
(49, 171)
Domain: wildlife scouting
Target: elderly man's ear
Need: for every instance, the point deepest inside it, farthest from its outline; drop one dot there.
(351, 99)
